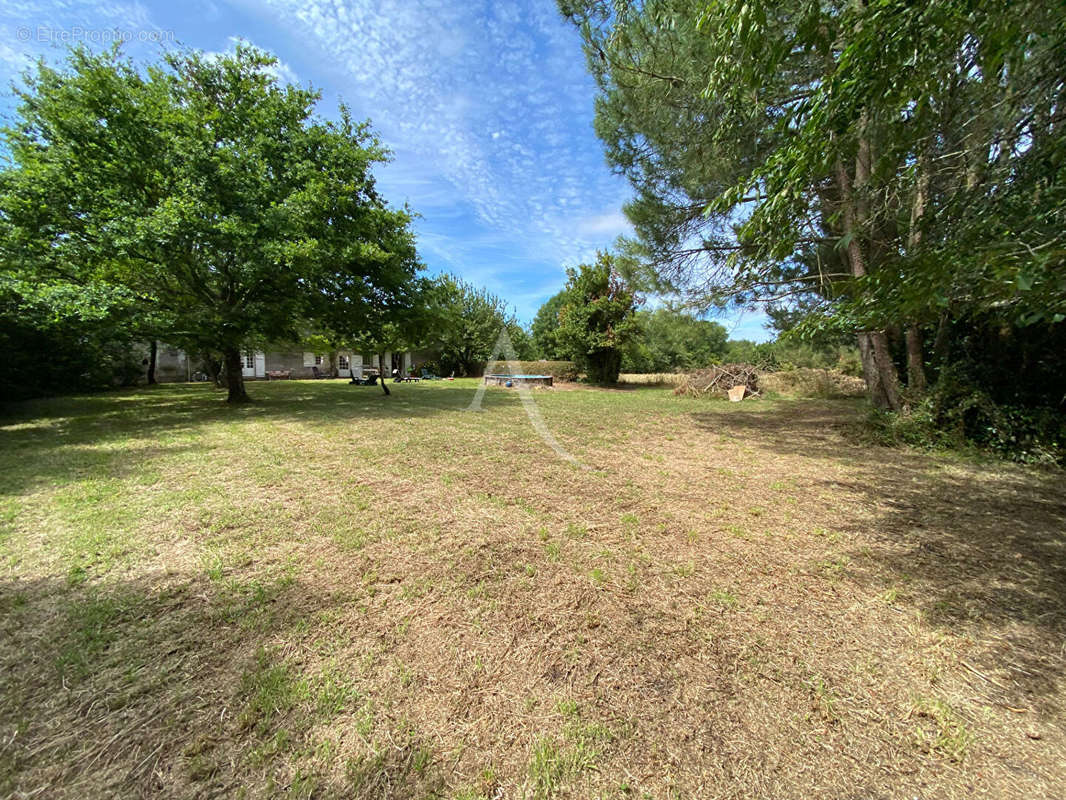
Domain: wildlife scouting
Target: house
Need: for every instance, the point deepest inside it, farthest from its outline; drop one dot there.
(173, 365)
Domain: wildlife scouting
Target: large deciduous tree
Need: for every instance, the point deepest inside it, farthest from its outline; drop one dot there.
(468, 325)
(597, 318)
(216, 197)
(545, 324)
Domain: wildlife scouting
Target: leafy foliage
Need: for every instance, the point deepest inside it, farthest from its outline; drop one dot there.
(790, 354)
(671, 341)
(560, 370)
(467, 324)
(545, 325)
(892, 172)
(57, 337)
(597, 318)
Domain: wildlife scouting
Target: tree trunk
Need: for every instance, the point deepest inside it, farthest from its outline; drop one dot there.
(941, 343)
(878, 370)
(333, 369)
(235, 377)
(381, 371)
(153, 353)
(214, 369)
(915, 359)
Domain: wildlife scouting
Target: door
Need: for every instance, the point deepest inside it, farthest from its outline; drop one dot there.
(253, 364)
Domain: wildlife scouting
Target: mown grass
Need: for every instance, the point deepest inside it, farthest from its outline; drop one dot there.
(331, 593)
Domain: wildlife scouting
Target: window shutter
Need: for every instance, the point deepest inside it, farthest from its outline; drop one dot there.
(309, 359)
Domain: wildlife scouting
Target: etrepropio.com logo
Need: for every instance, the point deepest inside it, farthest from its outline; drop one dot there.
(77, 35)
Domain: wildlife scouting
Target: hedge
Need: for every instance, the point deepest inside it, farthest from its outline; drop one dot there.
(560, 370)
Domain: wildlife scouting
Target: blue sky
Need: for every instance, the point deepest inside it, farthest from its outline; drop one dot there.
(486, 105)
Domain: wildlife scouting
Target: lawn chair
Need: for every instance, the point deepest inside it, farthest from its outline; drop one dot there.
(318, 374)
(429, 376)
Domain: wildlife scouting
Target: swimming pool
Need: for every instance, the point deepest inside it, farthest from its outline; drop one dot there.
(500, 379)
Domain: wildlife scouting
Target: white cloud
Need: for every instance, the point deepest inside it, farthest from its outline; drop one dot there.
(14, 60)
(487, 106)
(501, 116)
(280, 71)
(30, 29)
(613, 224)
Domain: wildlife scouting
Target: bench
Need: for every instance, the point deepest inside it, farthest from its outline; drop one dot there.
(279, 374)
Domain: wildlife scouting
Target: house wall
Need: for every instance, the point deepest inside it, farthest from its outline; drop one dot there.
(295, 360)
(292, 360)
(171, 364)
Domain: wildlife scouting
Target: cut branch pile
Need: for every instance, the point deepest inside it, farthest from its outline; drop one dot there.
(719, 380)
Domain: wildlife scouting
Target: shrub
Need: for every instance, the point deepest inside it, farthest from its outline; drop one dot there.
(916, 427)
(956, 419)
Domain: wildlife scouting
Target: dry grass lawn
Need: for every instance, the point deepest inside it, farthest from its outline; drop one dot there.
(331, 593)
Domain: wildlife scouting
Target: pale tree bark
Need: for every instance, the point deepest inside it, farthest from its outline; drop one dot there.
(915, 358)
(879, 371)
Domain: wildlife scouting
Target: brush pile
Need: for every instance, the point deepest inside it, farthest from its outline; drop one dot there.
(718, 380)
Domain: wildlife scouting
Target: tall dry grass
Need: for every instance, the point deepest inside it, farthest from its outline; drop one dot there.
(652, 378)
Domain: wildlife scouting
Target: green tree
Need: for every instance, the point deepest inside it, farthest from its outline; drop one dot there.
(545, 324)
(597, 319)
(214, 196)
(670, 340)
(521, 341)
(468, 324)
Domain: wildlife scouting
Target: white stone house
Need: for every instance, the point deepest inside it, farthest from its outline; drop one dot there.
(173, 365)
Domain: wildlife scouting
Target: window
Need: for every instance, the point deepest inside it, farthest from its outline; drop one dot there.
(342, 362)
(318, 360)
(249, 360)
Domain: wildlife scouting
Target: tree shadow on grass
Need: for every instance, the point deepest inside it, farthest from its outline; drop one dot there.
(979, 549)
(169, 687)
(60, 439)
